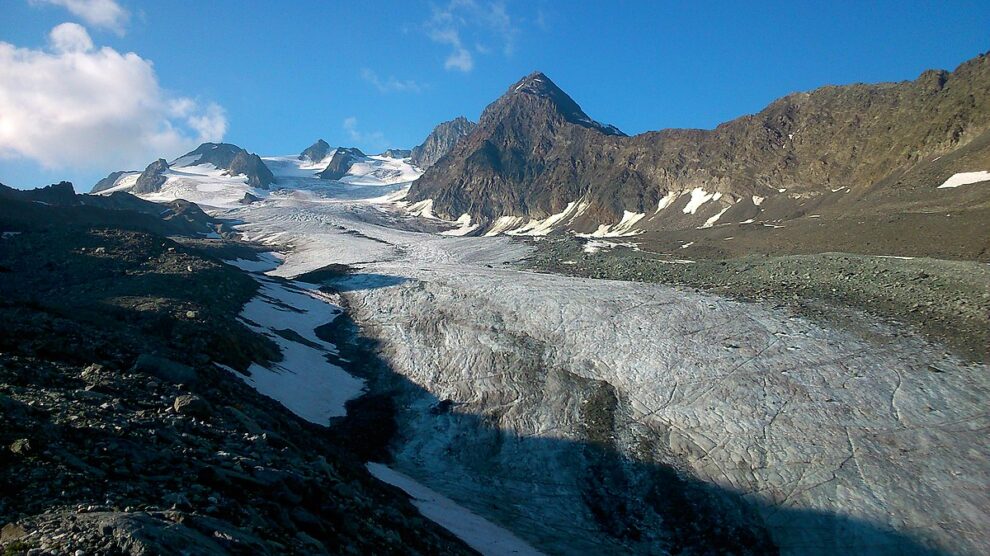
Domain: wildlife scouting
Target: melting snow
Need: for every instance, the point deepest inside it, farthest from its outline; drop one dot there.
(711, 221)
(304, 381)
(965, 178)
(545, 226)
(597, 245)
(698, 197)
(479, 533)
(620, 229)
(465, 226)
(757, 200)
(503, 224)
(423, 209)
(667, 200)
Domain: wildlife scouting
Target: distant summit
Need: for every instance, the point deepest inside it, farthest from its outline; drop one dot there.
(316, 152)
(231, 158)
(343, 159)
(440, 141)
(397, 153)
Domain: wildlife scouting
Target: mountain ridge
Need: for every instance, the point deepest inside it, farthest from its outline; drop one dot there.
(528, 160)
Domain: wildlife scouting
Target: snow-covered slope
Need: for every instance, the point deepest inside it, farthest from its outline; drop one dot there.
(209, 186)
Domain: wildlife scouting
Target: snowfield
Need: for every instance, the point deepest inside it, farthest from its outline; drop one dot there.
(565, 401)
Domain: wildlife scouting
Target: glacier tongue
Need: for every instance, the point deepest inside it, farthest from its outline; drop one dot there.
(594, 416)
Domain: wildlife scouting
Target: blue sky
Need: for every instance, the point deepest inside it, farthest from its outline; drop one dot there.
(274, 77)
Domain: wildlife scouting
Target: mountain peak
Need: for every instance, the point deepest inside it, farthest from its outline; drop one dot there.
(539, 85)
(316, 152)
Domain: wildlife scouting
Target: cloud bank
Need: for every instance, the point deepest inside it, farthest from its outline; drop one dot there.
(73, 105)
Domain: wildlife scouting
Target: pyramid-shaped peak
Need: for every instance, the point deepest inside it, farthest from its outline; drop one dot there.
(539, 85)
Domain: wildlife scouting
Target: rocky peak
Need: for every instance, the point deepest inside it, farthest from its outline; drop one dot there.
(233, 159)
(152, 179)
(551, 97)
(342, 160)
(316, 152)
(440, 141)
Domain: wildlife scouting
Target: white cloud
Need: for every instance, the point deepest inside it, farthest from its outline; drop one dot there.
(371, 140)
(105, 14)
(460, 59)
(76, 106)
(391, 84)
(482, 22)
(70, 37)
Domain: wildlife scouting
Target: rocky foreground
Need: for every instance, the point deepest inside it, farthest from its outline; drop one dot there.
(120, 435)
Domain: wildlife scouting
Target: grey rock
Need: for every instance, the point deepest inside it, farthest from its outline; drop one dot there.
(189, 404)
(152, 179)
(165, 369)
(441, 141)
(340, 163)
(316, 152)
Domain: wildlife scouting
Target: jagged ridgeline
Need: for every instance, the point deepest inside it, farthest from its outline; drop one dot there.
(534, 151)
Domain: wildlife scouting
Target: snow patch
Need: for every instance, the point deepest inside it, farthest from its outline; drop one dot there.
(757, 200)
(597, 245)
(303, 381)
(667, 200)
(698, 197)
(965, 178)
(503, 224)
(622, 228)
(423, 209)
(266, 261)
(477, 532)
(545, 226)
(711, 221)
(465, 227)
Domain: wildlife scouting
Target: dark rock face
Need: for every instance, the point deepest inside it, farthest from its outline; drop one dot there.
(235, 160)
(534, 151)
(253, 167)
(248, 198)
(152, 179)
(397, 153)
(341, 162)
(24, 209)
(316, 152)
(57, 194)
(109, 181)
(440, 141)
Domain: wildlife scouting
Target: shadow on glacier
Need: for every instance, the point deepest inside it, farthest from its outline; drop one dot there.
(367, 281)
(633, 506)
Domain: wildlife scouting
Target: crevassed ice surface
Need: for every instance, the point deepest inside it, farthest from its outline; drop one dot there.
(834, 442)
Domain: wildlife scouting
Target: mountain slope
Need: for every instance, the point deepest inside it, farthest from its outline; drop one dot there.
(231, 158)
(342, 160)
(534, 152)
(440, 141)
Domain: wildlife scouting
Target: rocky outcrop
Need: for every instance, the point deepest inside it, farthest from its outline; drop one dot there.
(110, 181)
(397, 153)
(316, 152)
(234, 160)
(343, 159)
(440, 141)
(152, 179)
(534, 151)
(57, 194)
(57, 205)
